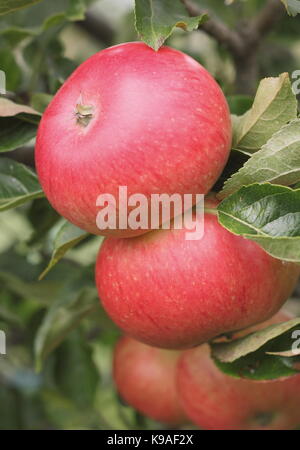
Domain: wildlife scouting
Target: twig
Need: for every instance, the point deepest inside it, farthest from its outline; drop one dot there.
(217, 29)
(243, 43)
(98, 28)
(267, 18)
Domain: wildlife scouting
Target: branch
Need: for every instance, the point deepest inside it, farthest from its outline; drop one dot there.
(243, 42)
(217, 29)
(98, 28)
(267, 18)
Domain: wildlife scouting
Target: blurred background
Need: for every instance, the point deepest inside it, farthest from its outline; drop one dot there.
(56, 373)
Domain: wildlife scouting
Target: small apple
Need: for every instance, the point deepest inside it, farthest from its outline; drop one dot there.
(145, 378)
(170, 292)
(216, 401)
(153, 122)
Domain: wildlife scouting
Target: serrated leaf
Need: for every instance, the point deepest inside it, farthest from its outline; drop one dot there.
(292, 6)
(18, 184)
(155, 20)
(8, 6)
(67, 237)
(267, 214)
(257, 356)
(277, 162)
(274, 106)
(62, 317)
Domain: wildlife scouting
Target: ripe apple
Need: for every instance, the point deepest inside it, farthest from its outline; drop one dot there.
(170, 292)
(214, 400)
(146, 378)
(154, 122)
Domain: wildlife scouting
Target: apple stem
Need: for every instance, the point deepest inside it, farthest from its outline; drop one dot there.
(84, 114)
(211, 211)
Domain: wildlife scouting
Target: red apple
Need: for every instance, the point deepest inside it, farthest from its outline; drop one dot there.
(145, 378)
(214, 400)
(155, 122)
(170, 292)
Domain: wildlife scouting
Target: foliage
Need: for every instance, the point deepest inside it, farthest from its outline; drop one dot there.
(156, 20)
(57, 371)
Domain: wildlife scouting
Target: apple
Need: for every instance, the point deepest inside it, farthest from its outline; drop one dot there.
(216, 401)
(146, 378)
(170, 292)
(153, 122)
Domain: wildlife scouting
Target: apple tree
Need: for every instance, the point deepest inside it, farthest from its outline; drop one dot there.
(56, 358)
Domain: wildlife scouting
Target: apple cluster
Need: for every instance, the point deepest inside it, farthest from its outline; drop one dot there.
(157, 122)
(179, 387)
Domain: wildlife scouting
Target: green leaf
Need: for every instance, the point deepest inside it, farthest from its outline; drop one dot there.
(42, 218)
(9, 316)
(67, 237)
(18, 124)
(64, 414)
(292, 6)
(74, 368)
(11, 69)
(63, 316)
(76, 10)
(155, 20)
(43, 293)
(257, 355)
(39, 101)
(53, 21)
(18, 184)
(14, 35)
(239, 104)
(277, 162)
(10, 414)
(60, 69)
(7, 6)
(274, 106)
(258, 366)
(231, 351)
(266, 214)
(46, 15)
(15, 132)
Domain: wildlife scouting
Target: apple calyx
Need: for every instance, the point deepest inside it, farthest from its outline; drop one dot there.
(84, 114)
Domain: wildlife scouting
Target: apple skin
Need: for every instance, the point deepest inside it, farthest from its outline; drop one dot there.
(216, 401)
(146, 378)
(160, 124)
(169, 292)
